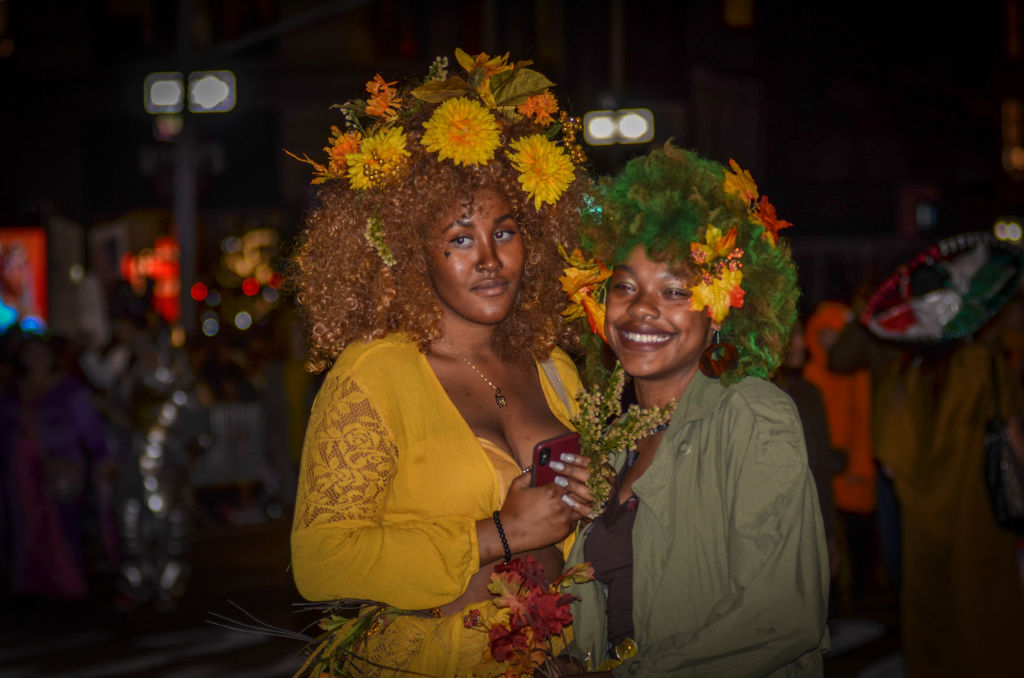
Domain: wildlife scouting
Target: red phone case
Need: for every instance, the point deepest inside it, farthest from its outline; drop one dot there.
(550, 450)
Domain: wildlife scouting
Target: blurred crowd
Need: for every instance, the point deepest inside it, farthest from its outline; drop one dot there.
(894, 433)
(112, 455)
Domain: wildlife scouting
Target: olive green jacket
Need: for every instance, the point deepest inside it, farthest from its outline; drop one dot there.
(730, 574)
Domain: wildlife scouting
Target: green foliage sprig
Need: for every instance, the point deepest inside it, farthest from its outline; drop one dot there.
(606, 430)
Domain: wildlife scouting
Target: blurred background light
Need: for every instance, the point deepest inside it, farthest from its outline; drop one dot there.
(250, 286)
(211, 91)
(199, 291)
(213, 298)
(599, 128)
(635, 126)
(164, 92)
(1008, 229)
(623, 126)
(211, 326)
(167, 126)
(243, 320)
(231, 244)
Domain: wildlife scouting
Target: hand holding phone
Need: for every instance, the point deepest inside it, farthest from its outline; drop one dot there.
(547, 451)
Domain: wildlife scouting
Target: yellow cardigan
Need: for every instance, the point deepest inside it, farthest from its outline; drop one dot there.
(392, 481)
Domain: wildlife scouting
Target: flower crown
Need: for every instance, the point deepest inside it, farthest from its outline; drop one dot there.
(464, 128)
(717, 260)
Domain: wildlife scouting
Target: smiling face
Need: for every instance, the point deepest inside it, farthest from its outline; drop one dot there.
(475, 255)
(650, 326)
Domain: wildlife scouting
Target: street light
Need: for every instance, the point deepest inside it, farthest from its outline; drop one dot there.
(623, 126)
(211, 91)
(164, 92)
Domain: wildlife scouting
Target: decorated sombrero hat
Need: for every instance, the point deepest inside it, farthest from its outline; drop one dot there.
(946, 292)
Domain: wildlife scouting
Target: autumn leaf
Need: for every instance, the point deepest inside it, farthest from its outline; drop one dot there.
(770, 220)
(437, 91)
(740, 183)
(718, 295)
(715, 245)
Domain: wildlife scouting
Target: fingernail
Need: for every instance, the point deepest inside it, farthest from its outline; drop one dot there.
(568, 456)
(569, 500)
(561, 481)
(557, 466)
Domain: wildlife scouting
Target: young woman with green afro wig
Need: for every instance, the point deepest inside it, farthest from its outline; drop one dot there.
(667, 200)
(710, 558)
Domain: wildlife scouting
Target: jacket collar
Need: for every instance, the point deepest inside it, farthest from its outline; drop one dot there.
(701, 397)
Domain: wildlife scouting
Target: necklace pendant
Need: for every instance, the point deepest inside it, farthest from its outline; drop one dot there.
(500, 399)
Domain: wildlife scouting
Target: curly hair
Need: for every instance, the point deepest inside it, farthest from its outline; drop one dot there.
(346, 292)
(666, 200)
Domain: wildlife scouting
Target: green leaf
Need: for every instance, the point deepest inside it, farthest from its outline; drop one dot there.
(437, 91)
(522, 83)
(476, 77)
(552, 132)
(358, 106)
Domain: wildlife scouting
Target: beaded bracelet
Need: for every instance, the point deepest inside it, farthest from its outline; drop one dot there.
(501, 534)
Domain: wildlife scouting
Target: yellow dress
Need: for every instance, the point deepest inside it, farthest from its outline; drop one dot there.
(392, 482)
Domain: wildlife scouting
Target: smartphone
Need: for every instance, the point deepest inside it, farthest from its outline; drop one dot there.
(547, 451)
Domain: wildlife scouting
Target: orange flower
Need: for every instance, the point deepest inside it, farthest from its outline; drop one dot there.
(383, 99)
(492, 65)
(770, 220)
(540, 107)
(481, 68)
(339, 146)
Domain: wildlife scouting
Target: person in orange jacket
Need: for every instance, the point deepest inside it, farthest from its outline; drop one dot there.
(848, 408)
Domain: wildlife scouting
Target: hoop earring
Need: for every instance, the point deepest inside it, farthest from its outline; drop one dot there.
(715, 367)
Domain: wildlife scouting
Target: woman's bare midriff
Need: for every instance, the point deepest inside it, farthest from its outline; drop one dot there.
(549, 557)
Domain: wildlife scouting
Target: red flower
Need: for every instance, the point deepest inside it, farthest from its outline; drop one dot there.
(506, 643)
(550, 613)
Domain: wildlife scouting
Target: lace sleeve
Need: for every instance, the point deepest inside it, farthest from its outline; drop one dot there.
(344, 542)
(348, 460)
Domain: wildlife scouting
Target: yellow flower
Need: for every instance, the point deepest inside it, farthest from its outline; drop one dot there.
(539, 107)
(545, 169)
(740, 183)
(463, 130)
(380, 158)
(718, 294)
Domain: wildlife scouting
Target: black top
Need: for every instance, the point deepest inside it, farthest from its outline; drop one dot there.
(609, 549)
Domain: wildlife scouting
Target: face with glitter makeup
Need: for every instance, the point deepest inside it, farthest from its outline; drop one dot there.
(649, 323)
(475, 256)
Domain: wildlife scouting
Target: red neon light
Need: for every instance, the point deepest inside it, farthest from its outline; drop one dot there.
(199, 291)
(250, 286)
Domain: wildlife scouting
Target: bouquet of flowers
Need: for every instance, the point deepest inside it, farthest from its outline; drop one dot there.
(526, 620)
(605, 430)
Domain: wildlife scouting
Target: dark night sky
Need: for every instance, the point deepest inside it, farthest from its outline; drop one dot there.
(851, 102)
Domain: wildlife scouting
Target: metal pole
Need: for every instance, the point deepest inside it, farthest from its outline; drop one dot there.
(184, 212)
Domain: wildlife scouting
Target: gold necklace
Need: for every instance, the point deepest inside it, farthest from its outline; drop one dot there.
(499, 399)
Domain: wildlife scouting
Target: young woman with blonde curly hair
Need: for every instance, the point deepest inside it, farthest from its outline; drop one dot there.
(428, 274)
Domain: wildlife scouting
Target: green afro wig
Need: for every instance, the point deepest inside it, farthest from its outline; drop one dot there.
(667, 200)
